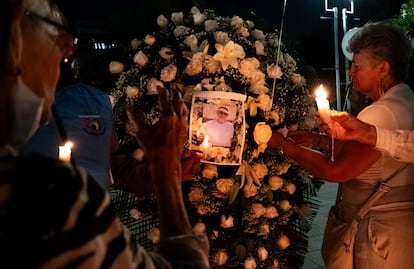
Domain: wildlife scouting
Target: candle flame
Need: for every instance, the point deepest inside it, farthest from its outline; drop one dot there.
(68, 145)
(321, 93)
(205, 141)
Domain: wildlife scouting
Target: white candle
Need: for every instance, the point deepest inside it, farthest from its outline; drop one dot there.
(204, 147)
(65, 152)
(323, 104)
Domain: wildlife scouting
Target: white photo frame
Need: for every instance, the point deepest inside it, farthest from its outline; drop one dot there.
(205, 108)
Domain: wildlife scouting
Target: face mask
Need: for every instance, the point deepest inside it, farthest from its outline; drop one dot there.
(28, 109)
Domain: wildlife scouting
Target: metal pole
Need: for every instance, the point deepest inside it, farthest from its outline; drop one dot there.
(337, 71)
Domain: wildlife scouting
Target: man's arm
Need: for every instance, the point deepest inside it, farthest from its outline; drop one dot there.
(398, 143)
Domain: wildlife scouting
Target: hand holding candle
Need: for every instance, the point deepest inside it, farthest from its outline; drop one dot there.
(323, 104)
(65, 152)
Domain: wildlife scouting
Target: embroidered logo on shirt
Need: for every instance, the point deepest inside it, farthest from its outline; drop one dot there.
(92, 124)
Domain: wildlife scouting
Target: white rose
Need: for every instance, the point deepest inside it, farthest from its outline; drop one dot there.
(296, 78)
(168, 73)
(257, 210)
(258, 34)
(199, 228)
(181, 30)
(140, 58)
(283, 242)
(220, 257)
(135, 43)
(211, 25)
(271, 212)
(116, 67)
(166, 53)
(290, 188)
(132, 91)
(177, 17)
(221, 37)
(262, 253)
(264, 229)
(152, 85)
(274, 71)
(227, 222)
(195, 195)
(210, 171)
(260, 169)
(285, 205)
(135, 213)
(224, 185)
(275, 183)
(250, 263)
(262, 133)
(259, 46)
(250, 190)
(154, 235)
(149, 40)
(162, 21)
(264, 102)
(211, 65)
(202, 209)
(199, 18)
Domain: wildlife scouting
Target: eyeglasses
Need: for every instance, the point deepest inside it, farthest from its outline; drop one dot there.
(64, 30)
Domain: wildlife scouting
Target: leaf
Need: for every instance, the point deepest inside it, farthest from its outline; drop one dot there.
(240, 251)
(234, 192)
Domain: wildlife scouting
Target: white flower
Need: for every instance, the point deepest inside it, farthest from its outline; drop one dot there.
(227, 222)
(291, 188)
(250, 190)
(221, 37)
(135, 43)
(153, 85)
(264, 229)
(283, 242)
(275, 183)
(262, 253)
(271, 212)
(177, 18)
(274, 71)
(162, 21)
(211, 65)
(135, 213)
(262, 133)
(211, 25)
(132, 91)
(166, 53)
(229, 54)
(258, 34)
(140, 58)
(195, 195)
(210, 171)
(285, 205)
(199, 228)
(150, 40)
(250, 263)
(168, 73)
(154, 235)
(257, 210)
(195, 66)
(181, 30)
(116, 67)
(224, 185)
(220, 257)
(260, 170)
(260, 49)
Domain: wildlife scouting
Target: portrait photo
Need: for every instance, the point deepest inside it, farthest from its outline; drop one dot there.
(217, 126)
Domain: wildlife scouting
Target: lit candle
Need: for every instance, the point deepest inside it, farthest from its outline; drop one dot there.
(205, 146)
(65, 152)
(323, 104)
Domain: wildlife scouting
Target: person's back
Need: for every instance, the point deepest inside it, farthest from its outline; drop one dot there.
(86, 115)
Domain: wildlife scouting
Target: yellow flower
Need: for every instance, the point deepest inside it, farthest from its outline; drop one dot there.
(229, 54)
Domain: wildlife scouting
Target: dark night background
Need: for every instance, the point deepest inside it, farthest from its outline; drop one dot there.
(308, 36)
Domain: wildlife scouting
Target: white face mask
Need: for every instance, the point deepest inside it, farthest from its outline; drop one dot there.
(28, 109)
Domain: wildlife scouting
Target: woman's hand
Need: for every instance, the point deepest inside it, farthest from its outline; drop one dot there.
(276, 140)
(190, 164)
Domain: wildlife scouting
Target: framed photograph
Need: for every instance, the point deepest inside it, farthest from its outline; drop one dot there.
(217, 126)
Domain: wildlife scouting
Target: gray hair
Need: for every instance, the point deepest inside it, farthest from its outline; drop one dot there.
(386, 41)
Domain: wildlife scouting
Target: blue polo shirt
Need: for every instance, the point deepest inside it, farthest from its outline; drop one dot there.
(86, 114)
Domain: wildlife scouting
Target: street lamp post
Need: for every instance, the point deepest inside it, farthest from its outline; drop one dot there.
(345, 11)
